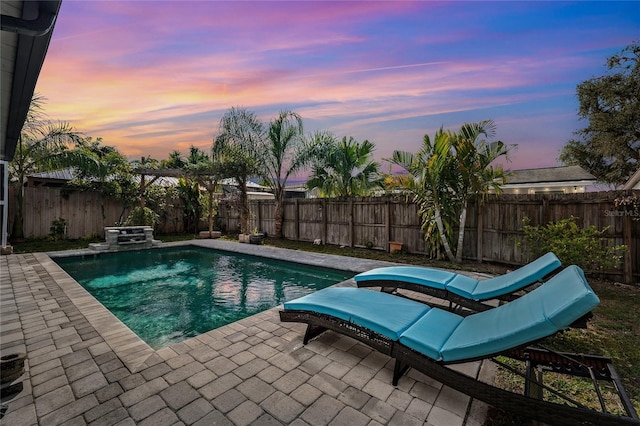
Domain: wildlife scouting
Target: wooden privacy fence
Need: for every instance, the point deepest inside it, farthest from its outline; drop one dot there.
(86, 213)
(491, 234)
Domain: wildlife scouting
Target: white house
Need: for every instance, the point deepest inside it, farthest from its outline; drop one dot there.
(548, 180)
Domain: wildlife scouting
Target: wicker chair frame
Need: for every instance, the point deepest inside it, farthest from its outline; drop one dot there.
(455, 301)
(527, 405)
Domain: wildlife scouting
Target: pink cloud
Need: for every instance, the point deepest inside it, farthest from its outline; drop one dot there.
(155, 76)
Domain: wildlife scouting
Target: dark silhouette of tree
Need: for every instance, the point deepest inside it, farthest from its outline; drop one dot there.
(609, 147)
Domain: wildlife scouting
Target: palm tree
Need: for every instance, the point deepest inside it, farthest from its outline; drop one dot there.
(447, 173)
(287, 153)
(107, 166)
(43, 145)
(347, 170)
(189, 192)
(241, 143)
(110, 174)
(196, 156)
(174, 161)
(428, 181)
(477, 177)
(207, 171)
(199, 170)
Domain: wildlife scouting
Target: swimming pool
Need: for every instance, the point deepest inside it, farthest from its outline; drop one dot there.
(168, 295)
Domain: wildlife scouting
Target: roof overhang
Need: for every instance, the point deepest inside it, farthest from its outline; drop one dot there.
(584, 183)
(27, 27)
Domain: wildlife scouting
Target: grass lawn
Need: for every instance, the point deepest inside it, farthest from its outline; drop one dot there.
(614, 330)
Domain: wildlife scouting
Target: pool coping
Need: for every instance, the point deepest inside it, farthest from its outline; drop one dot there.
(134, 352)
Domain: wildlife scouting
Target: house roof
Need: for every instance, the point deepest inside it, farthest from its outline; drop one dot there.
(68, 174)
(27, 27)
(64, 174)
(549, 174)
(634, 181)
(234, 182)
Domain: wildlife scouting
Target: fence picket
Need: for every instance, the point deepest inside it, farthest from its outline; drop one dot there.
(491, 232)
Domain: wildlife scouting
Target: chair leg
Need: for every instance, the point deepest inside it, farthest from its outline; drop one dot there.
(398, 371)
(312, 331)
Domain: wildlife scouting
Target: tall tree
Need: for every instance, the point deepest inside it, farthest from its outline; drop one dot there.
(110, 173)
(241, 141)
(609, 147)
(196, 155)
(207, 171)
(430, 171)
(43, 145)
(188, 191)
(446, 173)
(476, 176)
(287, 153)
(199, 171)
(109, 168)
(346, 170)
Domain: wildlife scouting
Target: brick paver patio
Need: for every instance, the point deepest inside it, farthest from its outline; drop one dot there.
(85, 367)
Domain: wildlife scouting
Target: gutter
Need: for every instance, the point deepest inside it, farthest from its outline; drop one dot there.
(37, 27)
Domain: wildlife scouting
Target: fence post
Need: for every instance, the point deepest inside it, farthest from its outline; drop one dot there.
(297, 220)
(350, 222)
(627, 238)
(259, 217)
(545, 215)
(387, 223)
(479, 231)
(323, 211)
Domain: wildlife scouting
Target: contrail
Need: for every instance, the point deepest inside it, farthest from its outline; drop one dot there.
(423, 64)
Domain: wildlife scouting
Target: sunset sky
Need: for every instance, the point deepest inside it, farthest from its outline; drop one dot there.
(150, 77)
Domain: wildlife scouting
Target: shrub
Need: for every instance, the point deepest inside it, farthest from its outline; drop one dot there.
(573, 245)
(58, 228)
(142, 216)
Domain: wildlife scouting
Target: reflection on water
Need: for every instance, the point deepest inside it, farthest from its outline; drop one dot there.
(168, 295)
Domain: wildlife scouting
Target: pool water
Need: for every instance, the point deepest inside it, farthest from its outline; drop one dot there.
(168, 295)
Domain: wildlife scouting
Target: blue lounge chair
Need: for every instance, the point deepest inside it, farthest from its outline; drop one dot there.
(428, 339)
(457, 288)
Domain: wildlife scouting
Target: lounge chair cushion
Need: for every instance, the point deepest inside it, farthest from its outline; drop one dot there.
(544, 311)
(493, 331)
(431, 332)
(463, 285)
(385, 314)
(435, 278)
(445, 336)
(574, 299)
(507, 283)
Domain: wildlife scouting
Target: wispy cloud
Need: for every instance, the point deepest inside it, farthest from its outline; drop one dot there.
(151, 77)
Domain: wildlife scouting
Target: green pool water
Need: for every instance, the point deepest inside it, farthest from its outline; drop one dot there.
(168, 295)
